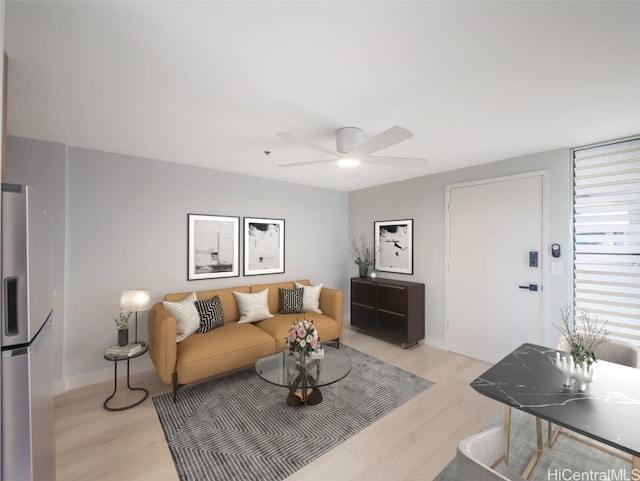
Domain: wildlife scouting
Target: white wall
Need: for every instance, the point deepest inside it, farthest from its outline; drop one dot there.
(423, 199)
(126, 227)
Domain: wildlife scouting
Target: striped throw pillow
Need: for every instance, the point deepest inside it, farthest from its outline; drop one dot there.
(211, 315)
(291, 301)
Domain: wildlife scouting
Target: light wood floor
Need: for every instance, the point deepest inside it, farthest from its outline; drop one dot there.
(414, 442)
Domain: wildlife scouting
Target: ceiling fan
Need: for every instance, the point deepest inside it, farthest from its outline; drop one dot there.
(351, 150)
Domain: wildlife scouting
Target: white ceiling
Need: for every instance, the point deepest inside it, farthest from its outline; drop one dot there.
(212, 83)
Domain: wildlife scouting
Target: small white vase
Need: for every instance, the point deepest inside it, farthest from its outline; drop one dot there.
(583, 374)
(564, 365)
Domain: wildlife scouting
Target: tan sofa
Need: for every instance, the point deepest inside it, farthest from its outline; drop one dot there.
(233, 345)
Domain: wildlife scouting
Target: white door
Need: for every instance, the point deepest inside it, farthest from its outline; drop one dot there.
(494, 227)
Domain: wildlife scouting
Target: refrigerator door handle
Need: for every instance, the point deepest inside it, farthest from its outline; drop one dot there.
(11, 306)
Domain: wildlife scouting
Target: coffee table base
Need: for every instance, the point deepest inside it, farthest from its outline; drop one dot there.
(309, 400)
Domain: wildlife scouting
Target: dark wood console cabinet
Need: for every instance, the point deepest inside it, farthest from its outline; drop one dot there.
(394, 309)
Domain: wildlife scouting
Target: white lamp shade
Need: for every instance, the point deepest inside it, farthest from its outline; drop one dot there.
(135, 300)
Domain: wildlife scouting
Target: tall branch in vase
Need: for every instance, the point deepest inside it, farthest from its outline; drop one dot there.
(362, 252)
(584, 336)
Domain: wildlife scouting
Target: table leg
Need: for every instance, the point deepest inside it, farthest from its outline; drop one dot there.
(308, 400)
(538, 454)
(115, 385)
(551, 435)
(613, 452)
(507, 431)
(115, 390)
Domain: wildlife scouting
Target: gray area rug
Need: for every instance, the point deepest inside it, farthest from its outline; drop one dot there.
(239, 427)
(568, 459)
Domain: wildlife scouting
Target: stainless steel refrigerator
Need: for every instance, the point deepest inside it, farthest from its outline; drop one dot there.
(27, 411)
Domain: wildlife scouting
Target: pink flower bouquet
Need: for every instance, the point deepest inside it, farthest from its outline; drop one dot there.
(302, 338)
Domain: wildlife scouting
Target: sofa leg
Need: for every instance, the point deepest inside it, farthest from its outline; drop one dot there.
(335, 342)
(176, 386)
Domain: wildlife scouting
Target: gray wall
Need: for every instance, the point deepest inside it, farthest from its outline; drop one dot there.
(423, 199)
(126, 227)
(121, 223)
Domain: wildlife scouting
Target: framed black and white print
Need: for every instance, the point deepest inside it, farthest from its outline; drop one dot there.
(393, 246)
(263, 246)
(214, 246)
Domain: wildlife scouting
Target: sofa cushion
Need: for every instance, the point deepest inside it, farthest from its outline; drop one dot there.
(253, 307)
(186, 315)
(291, 301)
(328, 328)
(311, 297)
(229, 347)
(211, 315)
(279, 325)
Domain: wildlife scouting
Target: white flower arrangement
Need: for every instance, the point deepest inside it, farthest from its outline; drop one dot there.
(585, 335)
(302, 338)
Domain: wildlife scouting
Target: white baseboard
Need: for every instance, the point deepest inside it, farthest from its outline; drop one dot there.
(102, 375)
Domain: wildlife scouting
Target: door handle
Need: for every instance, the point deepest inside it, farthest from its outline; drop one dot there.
(531, 287)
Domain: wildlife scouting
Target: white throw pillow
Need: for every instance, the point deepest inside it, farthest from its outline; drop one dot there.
(186, 314)
(253, 307)
(310, 297)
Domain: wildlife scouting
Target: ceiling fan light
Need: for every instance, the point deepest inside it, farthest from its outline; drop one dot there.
(348, 162)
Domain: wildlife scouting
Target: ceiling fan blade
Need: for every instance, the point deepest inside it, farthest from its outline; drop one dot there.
(395, 161)
(289, 137)
(389, 137)
(307, 162)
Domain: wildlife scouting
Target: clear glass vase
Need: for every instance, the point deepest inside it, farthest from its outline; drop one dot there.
(303, 359)
(363, 270)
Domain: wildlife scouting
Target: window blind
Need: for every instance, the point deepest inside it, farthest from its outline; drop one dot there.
(607, 235)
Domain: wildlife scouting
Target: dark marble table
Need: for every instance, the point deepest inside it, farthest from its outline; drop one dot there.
(607, 411)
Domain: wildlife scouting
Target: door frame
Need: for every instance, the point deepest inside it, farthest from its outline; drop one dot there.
(544, 248)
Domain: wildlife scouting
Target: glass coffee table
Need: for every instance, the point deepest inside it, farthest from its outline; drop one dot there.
(304, 382)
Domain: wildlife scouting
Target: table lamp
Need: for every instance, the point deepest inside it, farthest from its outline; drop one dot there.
(134, 300)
